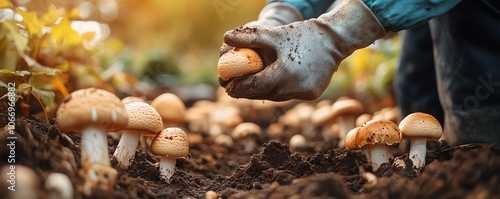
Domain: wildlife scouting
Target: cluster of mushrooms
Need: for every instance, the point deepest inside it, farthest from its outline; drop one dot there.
(94, 112)
(161, 125)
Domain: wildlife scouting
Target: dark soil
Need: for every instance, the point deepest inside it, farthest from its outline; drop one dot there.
(466, 171)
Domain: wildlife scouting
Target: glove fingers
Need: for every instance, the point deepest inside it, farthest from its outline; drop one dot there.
(247, 37)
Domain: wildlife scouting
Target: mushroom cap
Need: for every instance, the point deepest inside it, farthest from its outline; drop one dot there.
(170, 107)
(91, 106)
(363, 118)
(238, 62)
(420, 124)
(130, 99)
(245, 130)
(171, 142)
(322, 115)
(378, 132)
(350, 139)
(143, 118)
(347, 107)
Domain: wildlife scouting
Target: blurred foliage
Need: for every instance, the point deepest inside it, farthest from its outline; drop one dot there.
(367, 75)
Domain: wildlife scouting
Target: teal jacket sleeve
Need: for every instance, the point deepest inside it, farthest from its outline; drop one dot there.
(308, 8)
(396, 15)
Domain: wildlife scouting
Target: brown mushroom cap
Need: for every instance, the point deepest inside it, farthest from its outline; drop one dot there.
(350, 139)
(420, 125)
(245, 130)
(171, 142)
(347, 107)
(378, 132)
(238, 62)
(130, 99)
(170, 107)
(91, 106)
(322, 115)
(143, 118)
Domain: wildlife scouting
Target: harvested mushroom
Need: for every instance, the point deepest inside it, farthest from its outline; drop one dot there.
(238, 62)
(377, 135)
(92, 112)
(170, 144)
(246, 133)
(143, 120)
(418, 128)
(58, 186)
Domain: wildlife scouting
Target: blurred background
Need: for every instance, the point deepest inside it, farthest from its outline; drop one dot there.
(142, 48)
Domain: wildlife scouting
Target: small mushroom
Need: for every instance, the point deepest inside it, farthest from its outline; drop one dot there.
(363, 118)
(171, 108)
(297, 142)
(170, 144)
(418, 128)
(224, 140)
(246, 133)
(143, 120)
(238, 62)
(325, 118)
(19, 181)
(346, 110)
(59, 186)
(377, 135)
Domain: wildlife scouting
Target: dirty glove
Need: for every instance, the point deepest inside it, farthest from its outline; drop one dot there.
(272, 15)
(307, 52)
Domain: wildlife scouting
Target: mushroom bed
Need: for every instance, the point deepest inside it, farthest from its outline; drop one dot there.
(317, 170)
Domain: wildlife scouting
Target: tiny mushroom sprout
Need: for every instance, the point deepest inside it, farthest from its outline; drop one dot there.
(346, 111)
(246, 133)
(376, 135)
(143, 120)
(171, 108)
(93, 112)
(58, 186)
(170, 144)
(418, 127)
(297, 142)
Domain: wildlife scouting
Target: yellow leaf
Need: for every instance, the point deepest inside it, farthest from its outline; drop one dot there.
(63, 33)
(5, 4)
(31, 22)
(51, 16)
(19, 40)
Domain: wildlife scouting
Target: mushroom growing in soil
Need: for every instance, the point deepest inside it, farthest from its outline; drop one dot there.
(93, 112)
(58, 185)
(171, 109)
(346, 111)
(170, 144)
(143, 120)
(376, 135)
(246, 133)
(418, 128)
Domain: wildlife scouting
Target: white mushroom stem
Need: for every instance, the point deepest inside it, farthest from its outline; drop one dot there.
(167, 168)
(327, 132)
(367, 151)
(94, 146)
(249, 144)
(418, 151)
(346, 124)
(379, 155)
(125, 151)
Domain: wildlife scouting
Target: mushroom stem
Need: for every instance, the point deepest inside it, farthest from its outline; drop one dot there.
(418, 151)
(249, 145)
(94, 146)
(366, 150)
(167, 168)
(125, 151)
(346, 124)
(379, 155)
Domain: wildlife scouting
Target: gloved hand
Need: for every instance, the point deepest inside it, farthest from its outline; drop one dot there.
(272, 15)
(307, 52)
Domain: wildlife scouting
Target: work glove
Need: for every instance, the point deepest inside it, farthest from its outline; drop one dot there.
(306, 53)
(272, 15)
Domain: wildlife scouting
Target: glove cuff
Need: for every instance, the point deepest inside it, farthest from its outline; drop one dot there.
(354, 24)
(276, 14)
